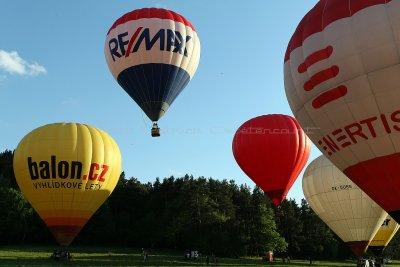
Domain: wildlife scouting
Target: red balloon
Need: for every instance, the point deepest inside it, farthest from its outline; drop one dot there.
(272, 150)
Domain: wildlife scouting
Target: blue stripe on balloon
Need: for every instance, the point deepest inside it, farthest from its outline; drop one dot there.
(152, 83)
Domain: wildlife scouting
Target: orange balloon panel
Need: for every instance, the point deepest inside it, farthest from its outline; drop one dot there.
(66, 171)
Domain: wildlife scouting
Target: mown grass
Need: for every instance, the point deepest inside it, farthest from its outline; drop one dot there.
(40, 256)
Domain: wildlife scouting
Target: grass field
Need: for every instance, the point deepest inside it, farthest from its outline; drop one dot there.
(39, 256)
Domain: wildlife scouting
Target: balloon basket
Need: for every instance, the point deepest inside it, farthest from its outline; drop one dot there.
(155, 130)
(61, 254)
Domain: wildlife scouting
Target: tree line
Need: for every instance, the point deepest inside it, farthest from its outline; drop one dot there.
(204, 214)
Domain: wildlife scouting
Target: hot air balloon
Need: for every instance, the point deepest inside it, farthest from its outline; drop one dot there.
(382, 238)
(342, 79)
(272, 150)
(66, 171)
(342, 205)
(153, 53)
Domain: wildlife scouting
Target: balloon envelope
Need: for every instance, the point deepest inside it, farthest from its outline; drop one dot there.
(153, 53)
(66, 171)
(385, 233)
(342, 205)
(342, 79)
(272, 150)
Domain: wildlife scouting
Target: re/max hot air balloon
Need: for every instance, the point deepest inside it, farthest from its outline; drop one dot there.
(153, 53)
(342, 205)
(66, 171)
(272, 150)
(342, 79)
(382, 238)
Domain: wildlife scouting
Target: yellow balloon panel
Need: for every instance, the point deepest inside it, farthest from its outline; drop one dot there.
(385, 233)
(66, 171)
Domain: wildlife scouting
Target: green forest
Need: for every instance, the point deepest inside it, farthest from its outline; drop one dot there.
(210, 215)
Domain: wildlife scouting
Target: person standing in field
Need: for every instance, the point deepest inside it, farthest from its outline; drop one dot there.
(145, 255)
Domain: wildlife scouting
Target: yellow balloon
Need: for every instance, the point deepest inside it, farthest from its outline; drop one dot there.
(385, 233)
(66, 171)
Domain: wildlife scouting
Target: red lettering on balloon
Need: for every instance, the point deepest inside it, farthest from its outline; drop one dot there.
(354, 130)
(103, 173)
(341, 138)
(92, 175)
(364, 129)
(395, 118)
(385, 124)
(132, 41)
(371, 128)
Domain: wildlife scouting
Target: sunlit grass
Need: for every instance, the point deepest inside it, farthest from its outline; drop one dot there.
(40, 256)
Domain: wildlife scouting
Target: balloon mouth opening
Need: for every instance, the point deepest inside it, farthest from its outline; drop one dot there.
(65, 234)
(358, 247)
(276, 202)
(154, 110)
(276, 196)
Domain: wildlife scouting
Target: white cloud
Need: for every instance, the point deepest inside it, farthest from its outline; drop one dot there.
(12, 63)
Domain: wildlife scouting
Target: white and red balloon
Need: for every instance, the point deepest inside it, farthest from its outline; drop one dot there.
(342, 79)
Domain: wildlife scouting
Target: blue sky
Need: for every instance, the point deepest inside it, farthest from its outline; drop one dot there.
(52, 69)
